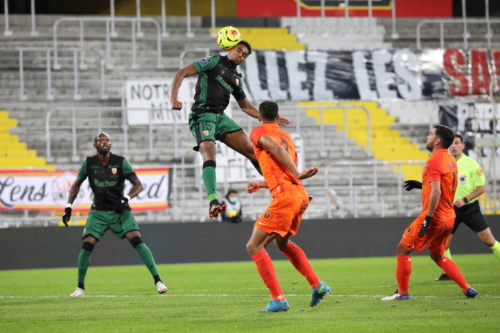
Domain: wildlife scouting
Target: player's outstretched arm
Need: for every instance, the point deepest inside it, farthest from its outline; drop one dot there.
(73, 192)
(268, 143)
(187, 71)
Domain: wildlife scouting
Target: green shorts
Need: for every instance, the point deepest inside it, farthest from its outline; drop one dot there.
(99, 222)
(208, 126)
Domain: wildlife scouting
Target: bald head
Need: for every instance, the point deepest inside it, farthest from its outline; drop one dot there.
(102, 143)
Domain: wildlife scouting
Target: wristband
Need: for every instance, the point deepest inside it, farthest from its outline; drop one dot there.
(127, 196)
(466, 200)
(68, 205)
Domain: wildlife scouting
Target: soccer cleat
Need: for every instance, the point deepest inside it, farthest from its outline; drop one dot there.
(216, 208)
(443, 277)
(161, 287)
(471, 293)
(276, 306)
(79, 292)
(397, 297)
(319, 293)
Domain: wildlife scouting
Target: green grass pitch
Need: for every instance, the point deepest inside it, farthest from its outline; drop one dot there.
(225, 297)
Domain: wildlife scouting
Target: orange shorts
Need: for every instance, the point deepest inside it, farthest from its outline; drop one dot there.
(284, 214)
(435, 238)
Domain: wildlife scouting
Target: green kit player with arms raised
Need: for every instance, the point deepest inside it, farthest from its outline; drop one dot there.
(110, 210)
(218, 78)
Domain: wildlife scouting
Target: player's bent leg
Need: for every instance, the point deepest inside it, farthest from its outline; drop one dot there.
(240, 142)
(135, 240)
(452, 270)
(487, 238)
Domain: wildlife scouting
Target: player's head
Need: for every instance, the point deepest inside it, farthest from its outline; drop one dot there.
(268, 112)
(232, 196)
(457, 146)
(102, 143)
(240, 52)
(441, 137)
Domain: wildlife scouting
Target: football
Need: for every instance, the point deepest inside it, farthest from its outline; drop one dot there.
(228, 37)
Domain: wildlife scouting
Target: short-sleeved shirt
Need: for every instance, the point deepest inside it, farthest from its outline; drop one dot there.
(441, 166)
(217, 79)
(470, 176)
(277, 176)
(106, 181)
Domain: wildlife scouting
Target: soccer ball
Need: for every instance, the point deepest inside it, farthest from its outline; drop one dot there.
(228, 37)
(232, 213)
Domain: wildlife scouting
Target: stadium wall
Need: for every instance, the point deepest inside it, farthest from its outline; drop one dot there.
(52, 247)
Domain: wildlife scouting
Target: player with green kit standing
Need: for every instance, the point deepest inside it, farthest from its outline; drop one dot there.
(106, 173)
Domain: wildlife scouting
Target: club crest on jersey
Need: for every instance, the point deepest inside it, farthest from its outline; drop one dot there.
(204, 61)
(114, 171)
(206, 133)
(480, 172)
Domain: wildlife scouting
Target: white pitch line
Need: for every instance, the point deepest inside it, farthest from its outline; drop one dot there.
(224, 295)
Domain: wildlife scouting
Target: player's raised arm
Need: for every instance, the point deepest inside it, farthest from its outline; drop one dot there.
(187, 71)
(268, 143)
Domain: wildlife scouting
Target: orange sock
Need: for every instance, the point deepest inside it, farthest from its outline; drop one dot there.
(268, 275)
(451, 269)
(299, 260)
(403, 272)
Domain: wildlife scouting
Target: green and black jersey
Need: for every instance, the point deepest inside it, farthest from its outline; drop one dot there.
(106, 181)
(217, 79)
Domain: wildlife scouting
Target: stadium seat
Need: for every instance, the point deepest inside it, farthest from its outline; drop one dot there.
(387, 144)
(14, 154)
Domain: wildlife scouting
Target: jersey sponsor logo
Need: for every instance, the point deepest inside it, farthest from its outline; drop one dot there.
(206, 133)
(462, 180)
(480, 171)
(105, 183)
(114, 171)
(204, 61)
(224, 83)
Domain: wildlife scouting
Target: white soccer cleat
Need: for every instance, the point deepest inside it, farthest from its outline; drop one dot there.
(79, 292)
(161, 287)
(397, 297)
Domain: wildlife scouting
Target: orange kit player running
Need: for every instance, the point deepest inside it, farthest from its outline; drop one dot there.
(435, 223)
(275, 152)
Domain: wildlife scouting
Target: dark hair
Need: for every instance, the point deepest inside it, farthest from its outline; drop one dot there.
(446, 135)
(247, 44)
(231, 192)
(459, 136)
(268, 110)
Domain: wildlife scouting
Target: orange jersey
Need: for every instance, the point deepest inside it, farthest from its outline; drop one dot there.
(276, 175)
(441, 166)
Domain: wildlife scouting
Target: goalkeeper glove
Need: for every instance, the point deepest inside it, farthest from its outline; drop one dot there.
(121, 204)
(411, 184)
(427, 222)
(67, 214)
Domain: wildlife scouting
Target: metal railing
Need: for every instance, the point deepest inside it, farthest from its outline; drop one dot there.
(124, 126)
(375, 185)
(107, 21)
(7, 31)
(465, 34)
(48, 50)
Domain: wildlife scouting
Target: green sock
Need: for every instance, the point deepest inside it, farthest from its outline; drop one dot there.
(496, 249)
(447, 253)
(83, 264)
(147, 258)
(210, 179)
